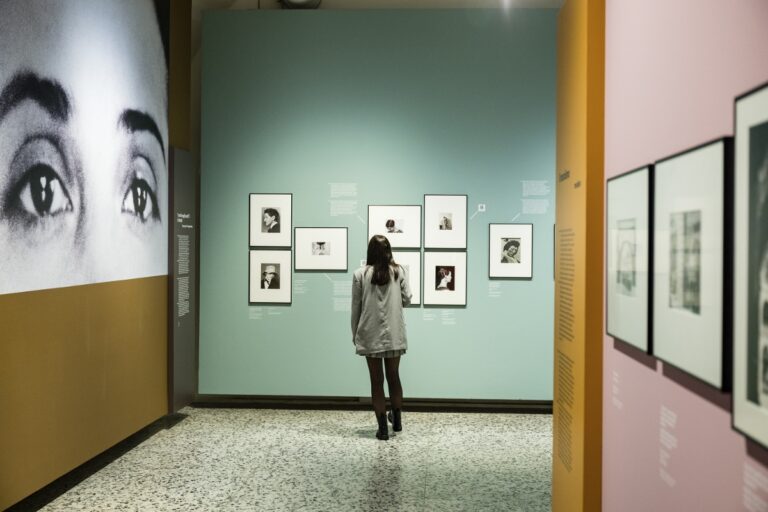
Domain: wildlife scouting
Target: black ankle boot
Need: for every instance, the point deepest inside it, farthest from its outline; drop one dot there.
(383, 432)
(395, 419)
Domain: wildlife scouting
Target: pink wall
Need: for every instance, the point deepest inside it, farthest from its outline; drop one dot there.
(673, 68)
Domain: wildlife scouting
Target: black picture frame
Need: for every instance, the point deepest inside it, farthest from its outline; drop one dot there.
(258, 293)
(523, 232)
(434, 236)
(397, 240)
(256, 238)
(679, 304)
(305, 259)
(431, 297)
(628, 320)
(749, 404)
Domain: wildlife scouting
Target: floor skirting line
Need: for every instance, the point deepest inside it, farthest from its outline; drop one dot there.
(364, 403)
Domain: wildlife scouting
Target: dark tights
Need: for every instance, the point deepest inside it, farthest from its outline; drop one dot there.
(392, 365)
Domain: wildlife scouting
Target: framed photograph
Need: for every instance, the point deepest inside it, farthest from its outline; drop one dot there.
(445, 278)
(628, 258)
(510, 251)
(445, 222)
(400, 224)
(270, 217)
(269, 277)
(320, 249)
(411, 262)
(750, 265)
(691, 253)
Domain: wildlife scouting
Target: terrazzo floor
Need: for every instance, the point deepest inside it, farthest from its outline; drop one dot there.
(281, 460)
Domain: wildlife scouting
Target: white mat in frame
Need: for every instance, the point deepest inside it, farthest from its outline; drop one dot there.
(269, 277)
(445, 221)
(510, 251)
(689, 292)
(269, 220)
(411, 261)
(445, 278)
(320, 249)
(400, 224)
(628, 260)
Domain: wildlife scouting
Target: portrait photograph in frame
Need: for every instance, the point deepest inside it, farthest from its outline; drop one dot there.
(510, 251)
(628, 258)
(400, 224)
(269, 277)
(445, 278)
(445, 221)
(691, 261)
(320, 249)
(750, 264)
(269, 220)
(411, 262)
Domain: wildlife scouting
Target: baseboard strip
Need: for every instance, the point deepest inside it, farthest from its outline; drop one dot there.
(364, 403)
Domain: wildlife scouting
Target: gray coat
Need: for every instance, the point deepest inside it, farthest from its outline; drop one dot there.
(377, 312)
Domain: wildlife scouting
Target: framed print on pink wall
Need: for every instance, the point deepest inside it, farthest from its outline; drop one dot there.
(628, 258)
(692, 197)
(750, 265)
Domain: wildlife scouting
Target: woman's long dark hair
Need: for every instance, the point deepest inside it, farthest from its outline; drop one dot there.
(380, 258)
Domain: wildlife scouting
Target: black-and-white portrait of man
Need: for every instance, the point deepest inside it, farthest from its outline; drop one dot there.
(270, 276)
(83, 143)
(270, 220)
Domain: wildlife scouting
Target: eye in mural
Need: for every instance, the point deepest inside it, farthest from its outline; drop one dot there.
(83, 143)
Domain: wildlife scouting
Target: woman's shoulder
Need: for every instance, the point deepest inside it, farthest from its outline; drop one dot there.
(400, 270)
(360, 272)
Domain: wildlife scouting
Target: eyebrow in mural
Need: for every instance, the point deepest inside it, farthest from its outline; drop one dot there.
(134, 121)
(28, 86)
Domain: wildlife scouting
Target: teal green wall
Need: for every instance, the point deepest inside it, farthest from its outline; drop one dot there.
(402, 103)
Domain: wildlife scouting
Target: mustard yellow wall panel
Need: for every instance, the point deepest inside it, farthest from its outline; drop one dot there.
(577, 417)
(81, 368)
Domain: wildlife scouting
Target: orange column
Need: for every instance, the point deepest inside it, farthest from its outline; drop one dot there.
(577, 416)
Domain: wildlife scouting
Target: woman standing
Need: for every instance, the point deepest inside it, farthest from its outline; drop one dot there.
(379, 292)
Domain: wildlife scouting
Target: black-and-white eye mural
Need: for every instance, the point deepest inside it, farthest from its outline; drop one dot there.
(83, 143)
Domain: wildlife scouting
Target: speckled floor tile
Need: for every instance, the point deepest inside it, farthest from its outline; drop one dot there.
(277, 460)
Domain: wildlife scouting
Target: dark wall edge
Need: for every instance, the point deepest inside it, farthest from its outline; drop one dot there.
(364, 403)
